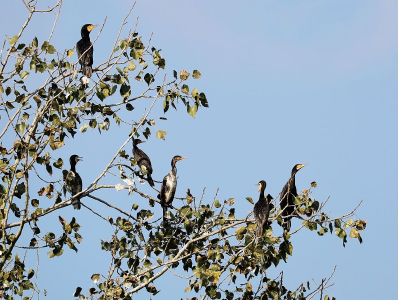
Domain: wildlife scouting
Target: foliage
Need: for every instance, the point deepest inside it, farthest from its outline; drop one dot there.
(206, 240)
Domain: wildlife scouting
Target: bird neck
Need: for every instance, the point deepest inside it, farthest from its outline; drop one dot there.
(262, 194)
(173, 168)
(293, 178)
(85, 36)
(73, 168)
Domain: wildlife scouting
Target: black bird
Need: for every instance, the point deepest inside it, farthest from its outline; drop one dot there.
(289, 192)
(143, 160)
(262, 208)
(86, 56)
(73, 181)
(169, 186)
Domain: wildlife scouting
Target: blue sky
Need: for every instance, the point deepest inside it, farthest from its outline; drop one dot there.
(287, 82)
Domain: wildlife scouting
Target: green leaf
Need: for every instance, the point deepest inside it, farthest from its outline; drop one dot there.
(24, 75)
(9, 105)
(59, 163)
(203, 100)
(314, 184)
(35, 42)
(192, 110)
(137, 53)
(129, 107)
(354, 233)
(131, 66)
(196, 74)
(70, 52)
(250, 200)
(184, 75)
(20, 127)
(241, 230)
(93, 123)
(160, 134)
(194, 92)
(13, 40)
(50, 49)
(337, 223)
(125, 90)
(340, 233)
(84, 128)
(166, 105)
(217, 204)
(349, 223)
(122, 44)
(185, 89)
(35, 202)
(149, 78)
(44, 46)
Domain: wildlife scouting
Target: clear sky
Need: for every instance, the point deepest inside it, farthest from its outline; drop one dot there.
(287, 82)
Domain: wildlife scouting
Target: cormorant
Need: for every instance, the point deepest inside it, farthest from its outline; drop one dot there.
(86, 56)
(73, 181)
(169, 186)
(143, 160)
(289, 192)
(262, 208)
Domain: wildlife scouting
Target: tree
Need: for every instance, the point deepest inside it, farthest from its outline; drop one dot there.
(44, 105)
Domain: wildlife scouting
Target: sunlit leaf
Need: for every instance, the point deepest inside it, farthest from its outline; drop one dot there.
(184, 75)
(160, 134)
(24, 75)
(196, 74)
(13, 40)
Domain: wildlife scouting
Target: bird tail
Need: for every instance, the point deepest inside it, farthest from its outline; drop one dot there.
(87, 71)
(260, 229)
(288, 224)
(164, 212)
(76, 203)
(150, 180)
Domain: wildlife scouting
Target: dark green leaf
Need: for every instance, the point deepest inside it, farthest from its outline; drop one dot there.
(149, 78)
(196, 74)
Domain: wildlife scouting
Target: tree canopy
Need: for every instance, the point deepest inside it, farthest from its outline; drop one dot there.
(44, 105)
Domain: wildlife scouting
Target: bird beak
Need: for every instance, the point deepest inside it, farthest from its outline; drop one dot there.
(259, 189)
(183, 158)
(79, 158)
(141, 142)
(91, 27)
(302, 166)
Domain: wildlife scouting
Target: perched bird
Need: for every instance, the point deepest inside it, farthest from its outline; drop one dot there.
(262, 208)
(169, 185)
(143, 160)
(73, 181)
(289, 192)
(85, 50)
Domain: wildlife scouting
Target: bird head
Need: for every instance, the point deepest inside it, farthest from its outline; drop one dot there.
(74, 159)
(177, 158)
(297, 167)
(262, 185)
(87, 28)
(137, 141)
